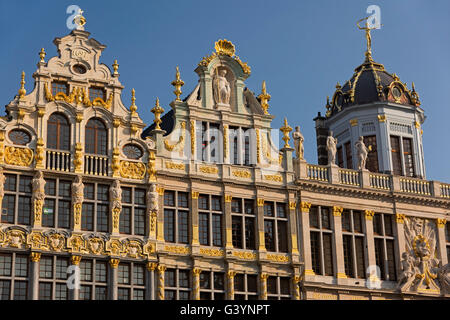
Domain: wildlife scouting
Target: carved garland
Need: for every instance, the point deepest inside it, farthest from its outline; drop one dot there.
(181, 140)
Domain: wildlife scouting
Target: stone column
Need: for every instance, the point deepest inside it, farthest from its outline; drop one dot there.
(370, 242)
(194, 218)
(442, 241)
(296, 287)
(196, 283)
(305, 237)
(150, 292)
(399, 241)
(261, 242)
(292, 227)
(160, 218)
(263, 286)
(34, 275)
(338, 244)
(114, 264)
(75, 261)
(161, 274)
(230, 286)
(228, 223)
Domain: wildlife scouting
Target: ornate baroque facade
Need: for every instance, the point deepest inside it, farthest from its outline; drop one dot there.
(200, 205)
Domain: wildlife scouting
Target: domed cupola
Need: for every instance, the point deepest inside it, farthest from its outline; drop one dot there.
(378, 106)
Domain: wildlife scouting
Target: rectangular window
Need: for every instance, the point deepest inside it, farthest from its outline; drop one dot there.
(348, 155)
(57, 205)
(16, 205)
(177, 284)
(212, 285)
(59, 86)
(372, 158)
(321, 241)
(340, 157)
(13, 276)
(408, 156)
(245, 287)
(243, 223)
(95, 215)
(384, 246)
(93, 280)
(97, 92)
(275, 227)
(176, 218)
(278, 288)
(210, 220)
(396, 156)
(353, 244)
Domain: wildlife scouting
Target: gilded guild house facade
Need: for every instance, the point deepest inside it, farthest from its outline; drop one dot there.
(202, 204)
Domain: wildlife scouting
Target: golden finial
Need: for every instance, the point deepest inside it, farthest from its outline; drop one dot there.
(367, 30)
(338, 86)
(157, 111)
(414, 96)
(178, 83)
(264, 97)
(42, 55)
(328, 106)
(286, 129)
(115, 67)
(133, 106)
(22, 92)
(79, 20)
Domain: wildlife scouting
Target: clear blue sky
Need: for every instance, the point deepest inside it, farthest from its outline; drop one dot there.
(301, 48)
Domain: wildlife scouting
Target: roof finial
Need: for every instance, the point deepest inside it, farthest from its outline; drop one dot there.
(265, 98)
(286, 129)
(157, 111)
(367, 29)
(178, 83)
(133, 107)
(22, 92)
(42, 55)
(116, 68)
(79, 20)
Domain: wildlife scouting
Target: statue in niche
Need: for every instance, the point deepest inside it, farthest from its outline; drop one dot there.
(115, 193)
(362, 152)
(298, 143)
(152, 199)
(331, 148)
(222, 89)
(38, 186)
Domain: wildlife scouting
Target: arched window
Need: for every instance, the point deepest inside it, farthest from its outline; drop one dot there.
(58, 132)
(96, 137)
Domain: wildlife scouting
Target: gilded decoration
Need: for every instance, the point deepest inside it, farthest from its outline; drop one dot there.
(133, 249)
(114, 263)
(78, 158)
(244, 255)
(267, 150)
(277, 258)
(39, 153)
(115, 165)
(175, 166)
(35, 256)
(400, 218)
(292, 205)
(228, 198)
(152, 167)
(75, 260)
(177, 249)
(76, 244)
(212, 252)
(36, 240)
(305, 206)
(18, 156)
(337, 211)
(179, 146)
(132, 170)
(78, 95)
(208, 170)
(273, 177)
(441, 223)
(226, 48)
(56, 242)
(114, 247)
(244, 174)
(177, 83)
(369, 214)
(225, 141)
(96, 245)
(15, 238)
(193, 138)
(258, 146)
(2, 146)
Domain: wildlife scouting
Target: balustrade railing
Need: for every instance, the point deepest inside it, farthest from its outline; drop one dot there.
(445, 190)
(96, 165)
(349, 177)
(58, 160)
(317, 173)
(416, 186)
(380, 181)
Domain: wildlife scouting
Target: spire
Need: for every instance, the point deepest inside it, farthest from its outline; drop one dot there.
(367, 30)
(178, 83)
(264, 97)
(22, 92)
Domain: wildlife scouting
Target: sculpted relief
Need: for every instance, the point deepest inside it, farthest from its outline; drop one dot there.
(421, 269)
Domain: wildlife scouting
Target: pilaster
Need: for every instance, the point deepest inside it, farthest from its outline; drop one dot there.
(263, 286)
(442, 242)
(113, 268)
(196, 283)
(368, 214)
(160, 218)
(230, 284)
(338, 244)
(194, 218)
(261, 242)
(150, 293)
(228, 223)
(305, 242)
(161, 274)
(35, 258)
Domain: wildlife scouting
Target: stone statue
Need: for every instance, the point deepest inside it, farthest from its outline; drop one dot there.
(331, 148)
(152, 199)
(222, 89)
(298, 143)
(115, 193)
(38, 186)
(362, 152)
(444, 278)
(408, 270)
(78, 190)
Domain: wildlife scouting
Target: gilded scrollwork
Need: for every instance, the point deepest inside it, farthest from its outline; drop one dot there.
(132, 170)
(178, 146)
(18, 156)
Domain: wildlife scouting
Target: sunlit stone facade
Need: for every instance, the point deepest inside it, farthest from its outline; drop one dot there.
(200, 205)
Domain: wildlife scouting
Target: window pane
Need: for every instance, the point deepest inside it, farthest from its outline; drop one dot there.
(169, 225)
(20, 290)
(125, 220)
(250, 233)
(139, 275)
(203, 202)
(183, 199)
(205, 280)
(87, 217)
(139, 221)
(272, 285)
(24, 210)
(124, 274)
(236, 205)
(217, 230)
(268, 209)
(282, 236)
(8, 208)
(100, 272)
(183, 227)
(5, 264)
(269, 235)
(328, 254)
(45, 291)
(203, 225)
(102, 217)
(46, 268)
(48, 216)
(5, 288)
(315, 252)
(61, 268)
(183, 278)
(21, 266)
(169, 198)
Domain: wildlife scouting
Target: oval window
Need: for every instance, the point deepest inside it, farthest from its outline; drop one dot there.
(79, 68)
(396, 92)
(19, 137)
(132, 151)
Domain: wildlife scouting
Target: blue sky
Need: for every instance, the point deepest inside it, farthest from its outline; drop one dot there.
(301, 49)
